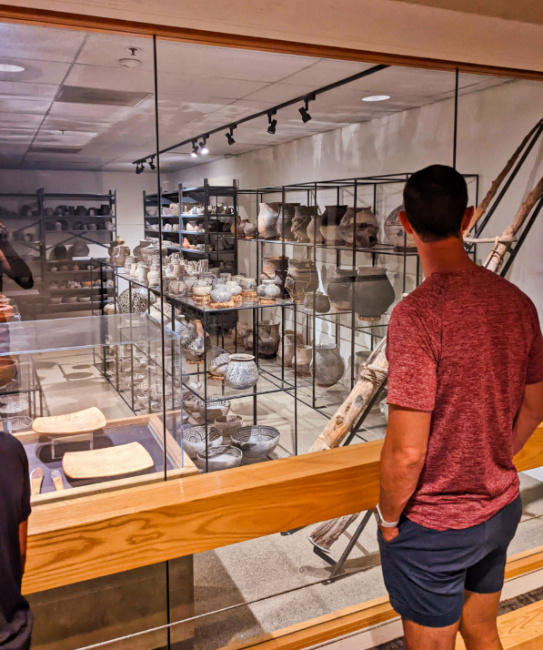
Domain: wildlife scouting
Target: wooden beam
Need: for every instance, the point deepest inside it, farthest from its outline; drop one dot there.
(107, 533)
(65, 20)
(521, 629)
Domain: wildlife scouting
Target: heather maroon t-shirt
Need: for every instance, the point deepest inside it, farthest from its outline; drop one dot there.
(463, 345)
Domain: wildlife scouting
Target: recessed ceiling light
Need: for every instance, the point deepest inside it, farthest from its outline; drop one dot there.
(8, 67)
(375, 98)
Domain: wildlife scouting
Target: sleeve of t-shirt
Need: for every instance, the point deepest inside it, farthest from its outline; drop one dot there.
(25, 499)
(534, 372)
(412, 370)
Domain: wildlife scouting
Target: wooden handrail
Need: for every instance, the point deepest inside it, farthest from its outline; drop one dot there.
(103, 534)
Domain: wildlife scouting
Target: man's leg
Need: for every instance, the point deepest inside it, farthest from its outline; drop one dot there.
(419, 637)
(479, 627)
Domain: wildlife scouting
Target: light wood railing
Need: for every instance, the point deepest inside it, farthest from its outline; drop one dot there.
(104, 534)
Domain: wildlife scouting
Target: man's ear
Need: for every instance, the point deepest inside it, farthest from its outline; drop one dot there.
(468, 216)
(405, 223)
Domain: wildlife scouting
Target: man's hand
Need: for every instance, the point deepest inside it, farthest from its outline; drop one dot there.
(389, 533)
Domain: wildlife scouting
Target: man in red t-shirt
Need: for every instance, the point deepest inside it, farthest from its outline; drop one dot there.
(465, 390)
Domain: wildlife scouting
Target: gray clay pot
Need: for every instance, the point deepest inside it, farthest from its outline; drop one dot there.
(366, 230)
(241, 371)
(331, 218)
(367, 290)
(269, 289)
(328, 366)
(218, 458)
(301, 221)
(290, 340)
(284, 220)
(194, 439)
(221, 294)
(256, 441)
(318, 301)
(302, 278)
(395, 232)
(268, 339)
(228, 424)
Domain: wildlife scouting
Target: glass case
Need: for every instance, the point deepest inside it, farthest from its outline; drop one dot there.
(67, 392)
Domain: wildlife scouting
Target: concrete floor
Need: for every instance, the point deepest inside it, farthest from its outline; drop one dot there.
(272, 582)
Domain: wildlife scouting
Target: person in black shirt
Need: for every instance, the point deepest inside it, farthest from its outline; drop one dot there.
(11, 264)
(15, 615)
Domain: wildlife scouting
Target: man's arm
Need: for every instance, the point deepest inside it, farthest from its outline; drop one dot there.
(402, 460)
(23, 534)
(529, 416)
(12, 264)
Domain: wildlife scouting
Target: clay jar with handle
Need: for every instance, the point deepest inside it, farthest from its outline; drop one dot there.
(366, 229)
(300, 222)
(331, 219)
(302, 277)
(268, 339)
(284, 221)
(267, 220)
(328, 366)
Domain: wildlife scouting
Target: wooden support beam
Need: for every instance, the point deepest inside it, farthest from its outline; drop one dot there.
(103, 534)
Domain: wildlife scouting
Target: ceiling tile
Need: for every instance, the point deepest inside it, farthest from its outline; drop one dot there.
(15, 105)
(39, 43)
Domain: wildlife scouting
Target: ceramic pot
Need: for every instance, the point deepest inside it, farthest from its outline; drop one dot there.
(367, 290)
(228, 425)
(130, 259)
(143, 271)
(221, 294)
(256, 441)
(153, 277)
(268, 290)
(395, 232)
(302, 361)
(218, 365)
(301, 221)
(314, 229)
(268, 339)
(267, 220)
(148, 252)
(331, 219)
(178, 287)
(284, 220)
(290, 341)
(275, 267)
(302, 277)
(144, 243)
(367, 227)
(194, 439)
(219, 458)
(184, 329)
(317, 301)
(248, 284)
(250, 230)
(80, 249)
(136, 301)
(234, 288)
(328, 366)
(241, 372)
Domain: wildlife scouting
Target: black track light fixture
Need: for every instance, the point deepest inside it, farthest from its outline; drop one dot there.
(203, 146)
(195, 149)
(272, 124)
(152, 165)
(139, 168)
(304, 110)
(230, 135)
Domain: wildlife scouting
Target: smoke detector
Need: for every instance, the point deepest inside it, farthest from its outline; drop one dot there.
(132, 61)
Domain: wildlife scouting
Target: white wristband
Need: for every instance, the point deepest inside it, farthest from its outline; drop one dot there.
(381, 521)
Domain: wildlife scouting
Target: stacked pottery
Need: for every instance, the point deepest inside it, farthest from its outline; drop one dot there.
(268, 339)
(317, 301)
(267, 220)
(366, 229)
(268, 291)
(302, 277)
(395, 232)
(302, 361)
(328, 366)
(241, 372)
(331, 219)
(366, 290)
(284, 220)
(301, 221)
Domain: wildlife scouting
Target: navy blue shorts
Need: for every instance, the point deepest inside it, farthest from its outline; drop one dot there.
(426, 571)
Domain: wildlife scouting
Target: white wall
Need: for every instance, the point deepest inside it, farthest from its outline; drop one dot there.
(129, 188)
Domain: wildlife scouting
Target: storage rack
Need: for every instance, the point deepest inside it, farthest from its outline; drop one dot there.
(99, 235)
(370, 191)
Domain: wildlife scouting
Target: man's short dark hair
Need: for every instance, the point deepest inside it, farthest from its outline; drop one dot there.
(435, 200)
